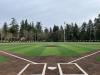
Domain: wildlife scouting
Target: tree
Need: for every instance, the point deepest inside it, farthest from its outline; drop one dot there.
(46, 34)
(90, 30)
(14, 29)
(61, 34)
(97, 28)
(22, 28)
(55, 33)
(69, 32)
(83, 32)
(5, 31)
(50, 34)
(75, 32)
(28, 31)
(38, 28)
(33, 31)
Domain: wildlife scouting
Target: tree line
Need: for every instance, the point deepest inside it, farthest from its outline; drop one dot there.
(30, 31)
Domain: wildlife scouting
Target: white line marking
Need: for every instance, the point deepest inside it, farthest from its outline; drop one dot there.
(60, 70)
(44, 69)
(31, 62)
(61, 73)
(73, 74)
(84, 57)
(18, 57)
(80, 68)
(35, 74)
(23, 69)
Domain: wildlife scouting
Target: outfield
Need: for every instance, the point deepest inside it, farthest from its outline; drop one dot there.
(50, 48)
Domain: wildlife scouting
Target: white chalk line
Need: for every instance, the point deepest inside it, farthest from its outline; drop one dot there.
(61, 72)
(84, 57)
(44, 69)
(73, 74)
(43, 73)
(35, 74)
(30, 62)
(71, 62)
(18, 57)
(23, 69)
(80, 68)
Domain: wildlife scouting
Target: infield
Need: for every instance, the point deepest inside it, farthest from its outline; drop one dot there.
(38, 58)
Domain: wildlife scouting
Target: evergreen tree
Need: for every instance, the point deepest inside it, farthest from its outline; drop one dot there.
(75, 32)
(61, 34)
(14, 29)
(97, 28)
(22, 28)
(83, 32)
(38, 31)
(28, 31)
(55, 35)
(90, 30)
(5, 30)
(50, 34)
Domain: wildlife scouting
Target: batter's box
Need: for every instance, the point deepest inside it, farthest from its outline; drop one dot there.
(70, 69)
(35, 69)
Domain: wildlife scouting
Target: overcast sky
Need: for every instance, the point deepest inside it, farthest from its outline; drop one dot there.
(49, 12)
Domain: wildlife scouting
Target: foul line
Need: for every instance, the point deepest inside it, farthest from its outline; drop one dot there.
(30, 62)
(23, 69)
(61, 72)
(18, 57)
(44, 69)
(80, 68)
(84, 57)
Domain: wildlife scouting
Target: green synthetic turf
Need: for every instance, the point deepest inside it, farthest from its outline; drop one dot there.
(98, 58)
(51, 48)
(3, 59)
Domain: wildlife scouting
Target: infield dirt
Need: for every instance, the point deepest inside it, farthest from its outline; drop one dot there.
(15, 65)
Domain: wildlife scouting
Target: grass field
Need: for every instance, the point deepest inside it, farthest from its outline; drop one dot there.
(3, 59)
(98, 58)
(50, 48)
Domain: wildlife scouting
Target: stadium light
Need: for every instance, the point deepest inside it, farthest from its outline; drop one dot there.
(64, 32)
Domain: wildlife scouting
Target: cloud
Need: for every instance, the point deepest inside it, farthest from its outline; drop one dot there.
(49, 11)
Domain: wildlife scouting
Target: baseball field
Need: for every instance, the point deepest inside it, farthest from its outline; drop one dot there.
(14, 57)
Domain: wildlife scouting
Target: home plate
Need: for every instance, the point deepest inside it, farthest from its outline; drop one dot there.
(52, 68)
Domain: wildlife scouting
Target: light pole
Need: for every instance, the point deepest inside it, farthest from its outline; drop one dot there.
(45, 28)
(64, 32)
